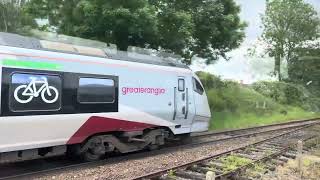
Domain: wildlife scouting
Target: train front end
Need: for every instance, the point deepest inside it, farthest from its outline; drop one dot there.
(202, 117)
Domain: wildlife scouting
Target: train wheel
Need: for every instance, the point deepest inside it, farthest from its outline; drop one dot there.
(159, 140)
(93, 150)
(73, 151)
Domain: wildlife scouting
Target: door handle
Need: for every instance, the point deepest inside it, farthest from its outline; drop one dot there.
(174, 103)
(187, 104)
(183, 110)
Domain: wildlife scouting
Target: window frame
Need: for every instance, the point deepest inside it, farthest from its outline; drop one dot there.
(34, 110)
(194, 83)
(96, 77)
(184, 85)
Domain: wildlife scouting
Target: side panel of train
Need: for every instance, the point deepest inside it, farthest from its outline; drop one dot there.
(50, 99)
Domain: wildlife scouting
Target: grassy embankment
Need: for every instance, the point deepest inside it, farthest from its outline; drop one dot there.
(226, 120)
(236, 106)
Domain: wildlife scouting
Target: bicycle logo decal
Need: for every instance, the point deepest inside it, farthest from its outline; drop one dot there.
(49, 94)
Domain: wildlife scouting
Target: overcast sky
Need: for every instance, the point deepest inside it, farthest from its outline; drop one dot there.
(241, 68)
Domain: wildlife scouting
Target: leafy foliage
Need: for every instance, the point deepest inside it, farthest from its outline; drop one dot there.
(284, 93)
(116, 21)
(230, 96)
(288, 94)
(208, 29)
(287, 24)
(232, 162)
(189, 28)
(305, 69)
(13, 18)
(238, 106)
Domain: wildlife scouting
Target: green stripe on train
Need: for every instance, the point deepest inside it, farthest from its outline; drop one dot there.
(31, 64)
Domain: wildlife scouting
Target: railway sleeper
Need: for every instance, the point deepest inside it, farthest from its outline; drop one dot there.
(206, 164)
(216, 165)
(244, 155)
(255, 150)
(267, 149)
(201, 169)
(258, 153)
(274, 144)
(190, 175)
(277, 162)
(270, 167)
(284, 159)
(271, 146)
(290, 155)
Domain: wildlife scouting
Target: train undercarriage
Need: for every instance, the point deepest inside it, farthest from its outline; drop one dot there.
(99, 146)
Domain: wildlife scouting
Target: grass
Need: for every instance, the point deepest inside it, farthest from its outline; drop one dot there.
(256, 170)
(232, 162)
(237, 106)
(171, 174)
(235, 120)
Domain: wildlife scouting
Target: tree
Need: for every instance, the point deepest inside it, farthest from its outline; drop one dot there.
(207, 29)
(13, 17)
(305, 69)
(120, 22)
(287, 25)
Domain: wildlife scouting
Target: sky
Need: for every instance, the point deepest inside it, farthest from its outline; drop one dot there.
(241, 67)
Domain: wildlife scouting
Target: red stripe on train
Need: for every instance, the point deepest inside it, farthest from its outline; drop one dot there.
(97, 124)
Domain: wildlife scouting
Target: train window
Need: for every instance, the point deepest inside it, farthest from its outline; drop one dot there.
(96, 90)
(35, 92)
(181, 85)
(197, 86)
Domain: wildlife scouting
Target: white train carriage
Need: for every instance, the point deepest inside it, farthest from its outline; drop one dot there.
(85, 101)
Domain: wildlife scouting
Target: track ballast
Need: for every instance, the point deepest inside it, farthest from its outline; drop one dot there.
(59, 165)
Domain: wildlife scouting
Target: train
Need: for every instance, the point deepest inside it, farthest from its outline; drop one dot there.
(87, 102)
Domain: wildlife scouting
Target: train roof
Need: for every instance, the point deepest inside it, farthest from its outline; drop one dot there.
(71, 45)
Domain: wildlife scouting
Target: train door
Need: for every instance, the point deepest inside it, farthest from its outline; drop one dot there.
(183, 114)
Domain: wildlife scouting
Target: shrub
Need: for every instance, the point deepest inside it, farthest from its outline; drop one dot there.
(210, 81)
(288, 94)
(284, 93)
(260, 98)
(216, 101)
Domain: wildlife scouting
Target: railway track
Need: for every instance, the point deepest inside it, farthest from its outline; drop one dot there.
(254, 129)
(53, 165)
(278, 148)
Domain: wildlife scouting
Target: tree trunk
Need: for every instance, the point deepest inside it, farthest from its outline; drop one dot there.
(4, 21)
(277, 67)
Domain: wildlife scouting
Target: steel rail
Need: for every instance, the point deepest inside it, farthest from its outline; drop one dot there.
(164, 171)
(209, 133)
(247, 134)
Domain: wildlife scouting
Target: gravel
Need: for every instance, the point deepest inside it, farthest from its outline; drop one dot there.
(154, 162)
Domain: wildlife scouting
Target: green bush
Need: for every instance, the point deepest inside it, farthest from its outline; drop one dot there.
(215, 100)
(288, 94)
(234, 98)
(224, 97)
(210, 81)
(237, 106)
(261, 97)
